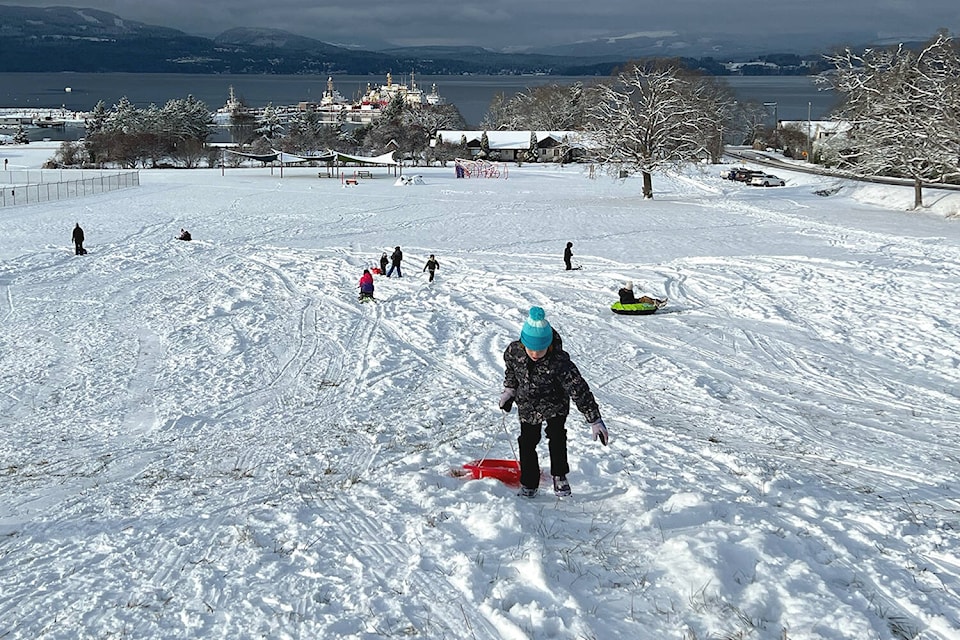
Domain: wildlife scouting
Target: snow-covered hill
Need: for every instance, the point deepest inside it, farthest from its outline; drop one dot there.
(213, 439)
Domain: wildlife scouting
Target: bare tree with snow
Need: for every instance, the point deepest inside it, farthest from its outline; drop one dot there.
(904, 110)
(553, 107)
(653, 118)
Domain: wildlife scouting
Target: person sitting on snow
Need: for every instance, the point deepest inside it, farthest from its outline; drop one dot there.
(627, 296)
(366, 285)
(184, 235)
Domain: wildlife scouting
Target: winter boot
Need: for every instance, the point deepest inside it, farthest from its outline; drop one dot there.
(561, 488)
(527, 492)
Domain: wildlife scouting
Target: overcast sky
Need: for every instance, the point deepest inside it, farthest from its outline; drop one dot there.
(516, 23)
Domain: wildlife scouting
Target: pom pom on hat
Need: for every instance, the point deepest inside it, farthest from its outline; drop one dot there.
(629, 285)
(536, 334)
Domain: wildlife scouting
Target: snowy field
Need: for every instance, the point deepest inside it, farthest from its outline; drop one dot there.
(214, 439)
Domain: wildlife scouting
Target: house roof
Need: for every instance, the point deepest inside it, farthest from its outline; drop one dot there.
(507, 139)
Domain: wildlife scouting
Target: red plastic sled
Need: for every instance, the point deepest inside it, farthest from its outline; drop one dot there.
(506, 471)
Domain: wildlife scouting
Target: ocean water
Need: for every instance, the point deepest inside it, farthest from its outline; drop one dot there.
(796, 97)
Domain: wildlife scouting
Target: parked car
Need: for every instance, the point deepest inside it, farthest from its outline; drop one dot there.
(741, 174)
(767, 180)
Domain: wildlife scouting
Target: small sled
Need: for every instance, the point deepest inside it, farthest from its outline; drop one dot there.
(506, 471)
(638, 308)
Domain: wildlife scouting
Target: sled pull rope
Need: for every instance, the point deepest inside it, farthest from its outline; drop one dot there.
(513, 450)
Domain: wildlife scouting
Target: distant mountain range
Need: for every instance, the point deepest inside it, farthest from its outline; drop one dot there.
(58, 39)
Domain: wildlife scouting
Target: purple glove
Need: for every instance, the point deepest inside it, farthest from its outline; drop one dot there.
(506, 399)
(600, 431)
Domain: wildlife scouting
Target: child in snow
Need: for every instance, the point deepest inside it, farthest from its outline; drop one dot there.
(395, 258)
(383, 262)
(78, 240)
(627, 296)
(184, 235)
(366, 285)
(432, 265)
(568, 255)
(542, 379)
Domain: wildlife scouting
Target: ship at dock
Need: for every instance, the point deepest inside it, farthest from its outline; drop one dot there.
(43, 118)
(333, 108)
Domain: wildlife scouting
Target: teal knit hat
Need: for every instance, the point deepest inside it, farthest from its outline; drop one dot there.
(536, 334)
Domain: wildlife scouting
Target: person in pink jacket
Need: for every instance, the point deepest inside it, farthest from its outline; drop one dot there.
(366, 285)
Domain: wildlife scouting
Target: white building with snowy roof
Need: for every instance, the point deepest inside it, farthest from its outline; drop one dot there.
(508, 146)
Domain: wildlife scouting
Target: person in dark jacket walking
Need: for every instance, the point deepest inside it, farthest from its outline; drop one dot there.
(542, 379)
(568, 255)
(395, 258)
(78, 240)
(431, 266)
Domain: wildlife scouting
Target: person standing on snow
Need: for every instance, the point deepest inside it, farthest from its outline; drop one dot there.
(78, 240)
(542, 379)
(395, 258)
(568, 255)
(383, 262)
(432, 265)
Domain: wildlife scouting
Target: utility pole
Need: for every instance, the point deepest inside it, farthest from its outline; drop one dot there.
(809, 136)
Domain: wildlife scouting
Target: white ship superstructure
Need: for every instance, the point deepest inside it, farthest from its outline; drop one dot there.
(334, 108)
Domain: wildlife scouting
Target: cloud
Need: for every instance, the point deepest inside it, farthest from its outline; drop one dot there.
(507, 23)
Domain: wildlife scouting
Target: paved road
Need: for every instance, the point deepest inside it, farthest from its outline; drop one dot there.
(761, 157)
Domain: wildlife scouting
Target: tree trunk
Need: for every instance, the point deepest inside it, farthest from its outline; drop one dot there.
(647, 186)
(917, 193)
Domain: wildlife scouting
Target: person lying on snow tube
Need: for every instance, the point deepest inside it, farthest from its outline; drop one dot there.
(629, 304)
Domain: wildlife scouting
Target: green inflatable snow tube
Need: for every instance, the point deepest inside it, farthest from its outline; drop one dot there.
(637, 309)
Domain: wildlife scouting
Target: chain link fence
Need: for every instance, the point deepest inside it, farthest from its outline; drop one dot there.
(46, 185)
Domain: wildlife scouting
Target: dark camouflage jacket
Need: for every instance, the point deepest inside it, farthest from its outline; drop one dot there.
(544, 388)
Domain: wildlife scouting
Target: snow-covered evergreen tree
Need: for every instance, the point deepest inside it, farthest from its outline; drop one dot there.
(123, 118)
(300, 136)
(98, 117)
(269, 125)
(186, 119)
(20, 135)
